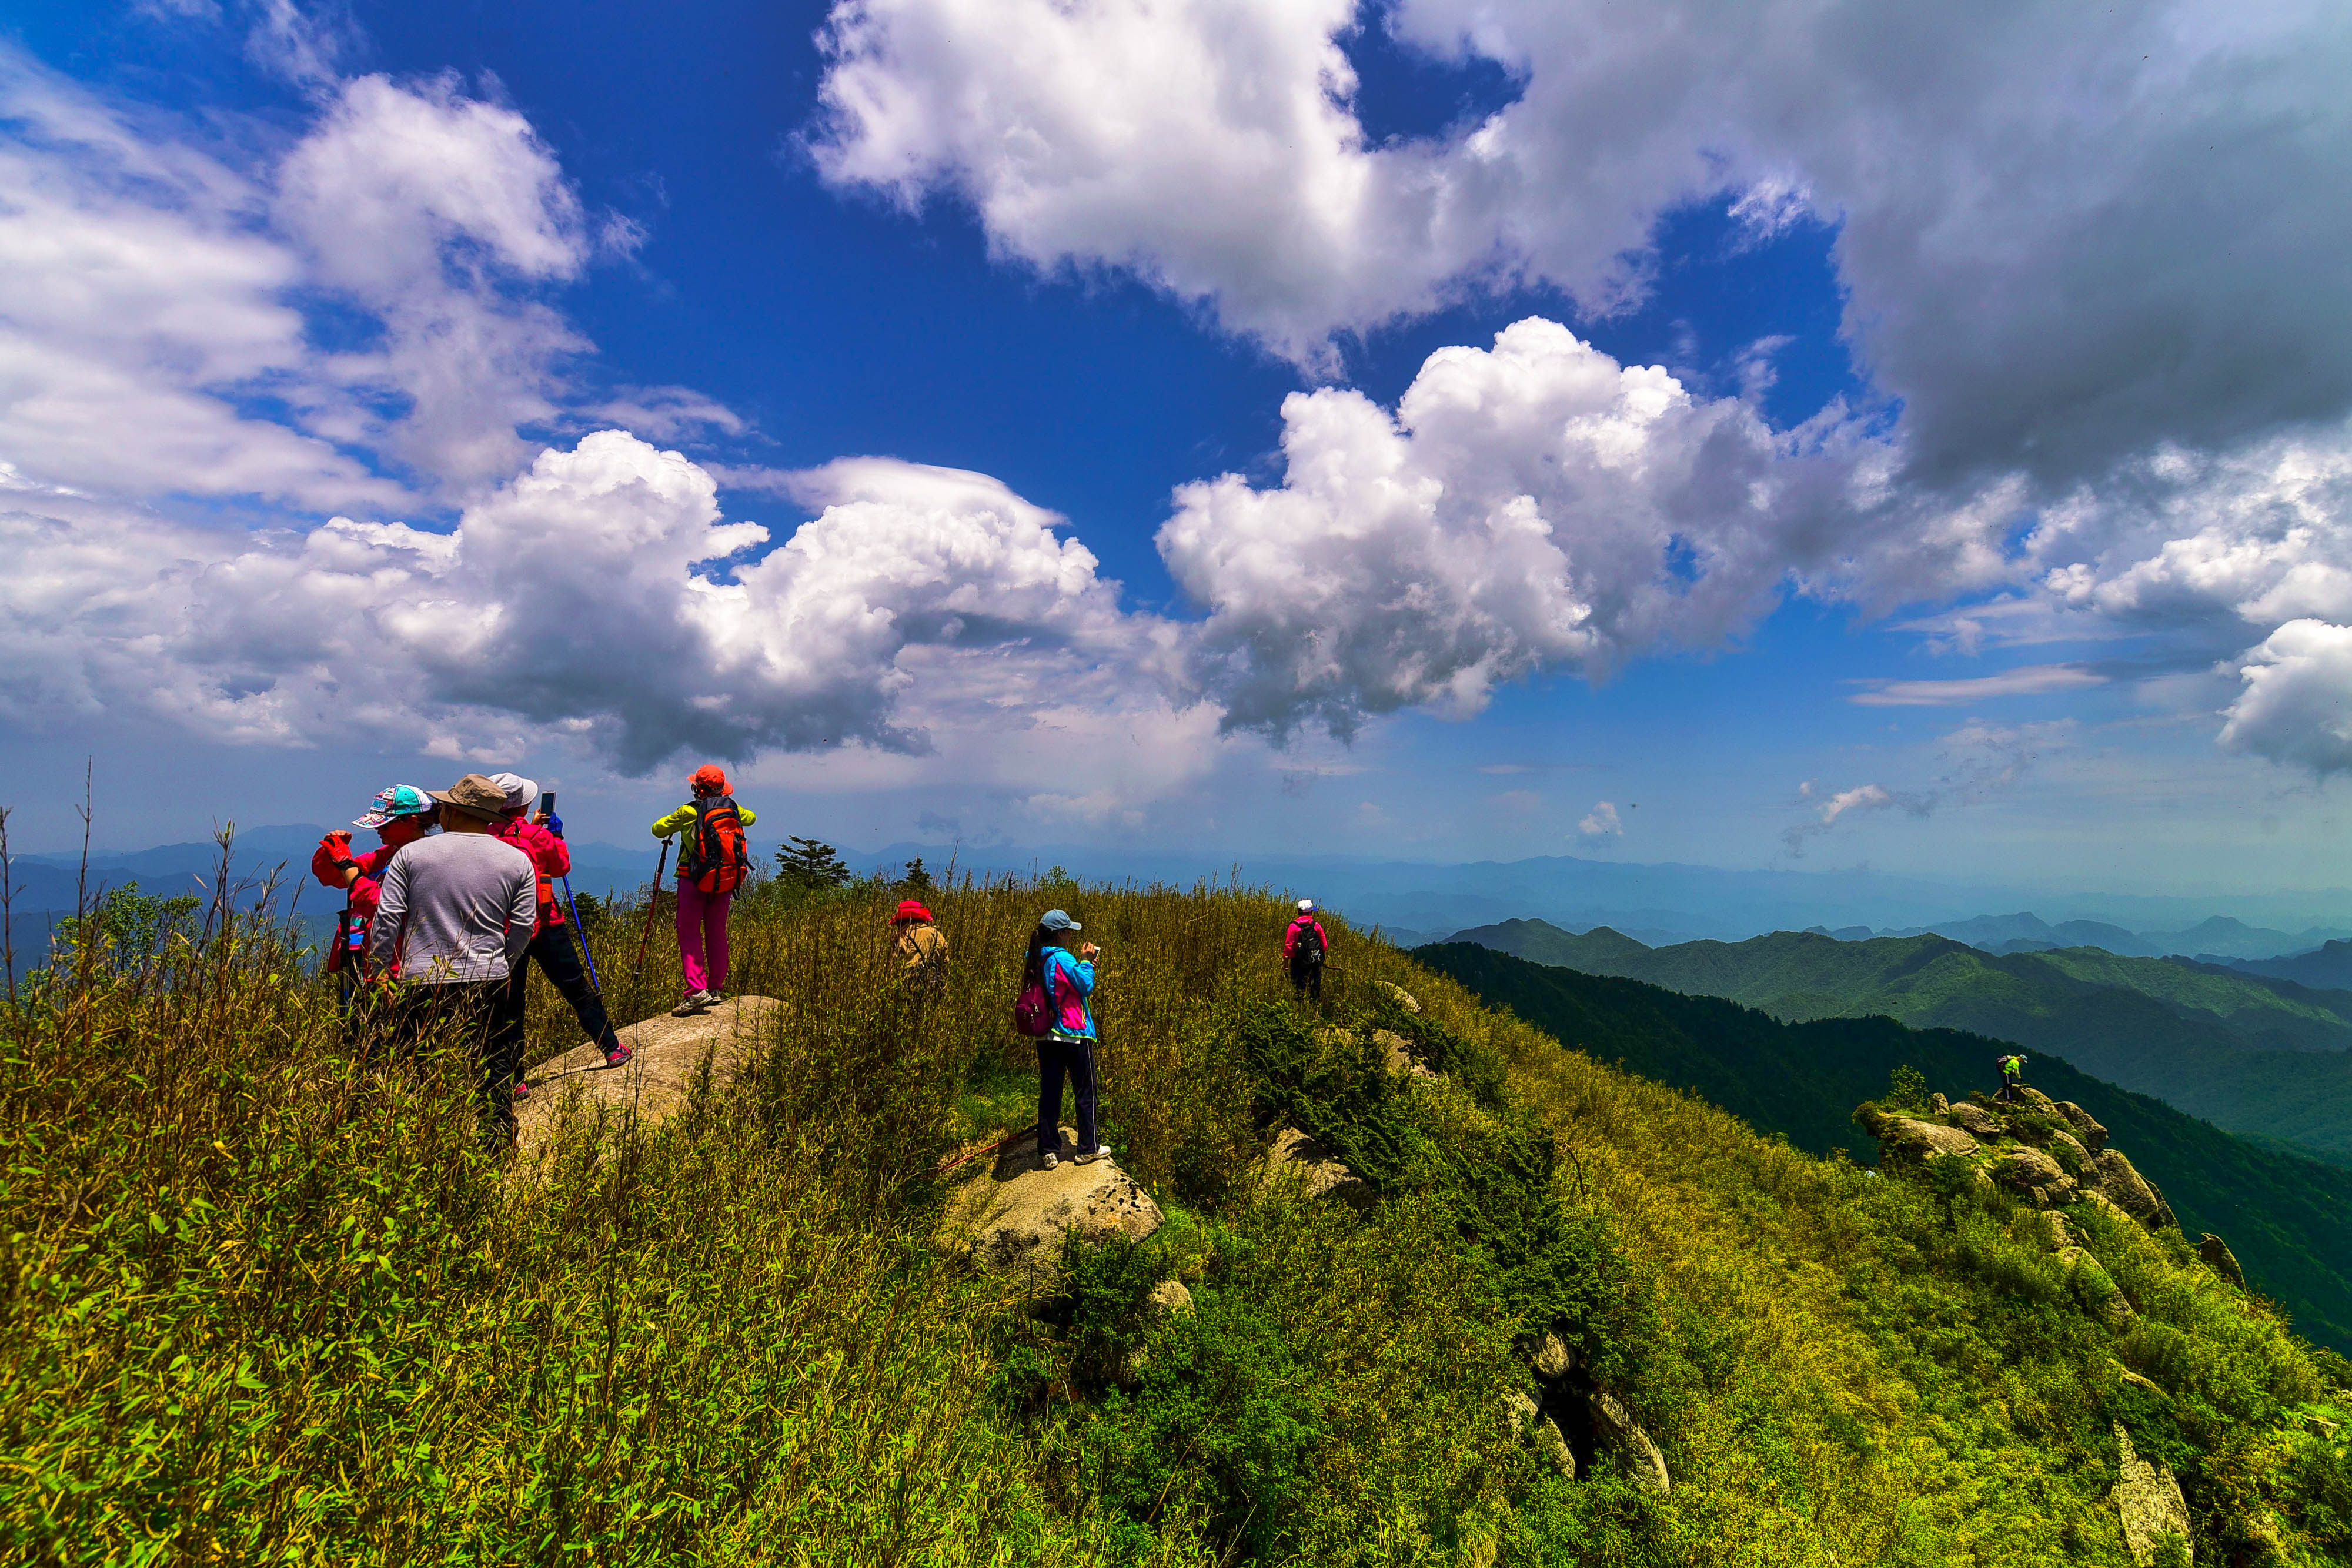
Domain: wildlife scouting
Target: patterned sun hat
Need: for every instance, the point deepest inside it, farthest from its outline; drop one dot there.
(400, 801)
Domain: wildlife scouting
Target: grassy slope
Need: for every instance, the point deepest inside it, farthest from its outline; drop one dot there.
(2148, 1024)
(263, 1302)
(2289, 1219)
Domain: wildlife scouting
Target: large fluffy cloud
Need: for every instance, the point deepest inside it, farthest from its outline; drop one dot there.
(2063, 229)
(591, 597)
(161, 307)
(2091, 253)
(1527, 507)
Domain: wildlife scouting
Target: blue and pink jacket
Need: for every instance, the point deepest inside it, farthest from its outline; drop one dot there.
(1069, 981)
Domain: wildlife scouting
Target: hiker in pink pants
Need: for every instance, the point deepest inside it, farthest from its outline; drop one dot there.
(712, 861)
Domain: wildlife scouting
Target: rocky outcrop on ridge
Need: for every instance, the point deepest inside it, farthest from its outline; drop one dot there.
(1569, 1416)
(2053, 1153)
(1296, 1157)
(1011, 1215)
(654, 1083)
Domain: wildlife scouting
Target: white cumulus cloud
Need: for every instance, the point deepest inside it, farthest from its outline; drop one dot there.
(1601, 823)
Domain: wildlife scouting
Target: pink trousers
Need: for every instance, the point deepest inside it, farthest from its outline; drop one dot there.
(702, 936)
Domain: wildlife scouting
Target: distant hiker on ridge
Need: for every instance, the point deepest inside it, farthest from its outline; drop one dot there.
(400, 816)
(2012, 1078)
(1056, 990)
(551, 938)
(1305, 944)
(713, 859)
(455, 915)
(921, 944)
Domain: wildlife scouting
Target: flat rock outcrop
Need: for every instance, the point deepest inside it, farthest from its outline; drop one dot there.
(652, 1084)
(1013, 1215)
(1396, 1053)
(1907, 1137)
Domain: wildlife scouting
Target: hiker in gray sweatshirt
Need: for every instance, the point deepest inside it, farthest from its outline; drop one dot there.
(454, 919)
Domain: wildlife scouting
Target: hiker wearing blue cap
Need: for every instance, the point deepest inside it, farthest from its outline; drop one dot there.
(400, 815)
(1057, 987)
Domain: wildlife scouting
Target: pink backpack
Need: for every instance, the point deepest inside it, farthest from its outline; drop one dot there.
(1033, 1013)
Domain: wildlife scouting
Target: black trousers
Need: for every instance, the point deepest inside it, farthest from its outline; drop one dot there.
(463, 1014)
(554, 953)
(1307, 979)
(1057, 1059)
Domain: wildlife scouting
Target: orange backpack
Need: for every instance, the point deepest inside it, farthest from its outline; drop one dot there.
(718, 856)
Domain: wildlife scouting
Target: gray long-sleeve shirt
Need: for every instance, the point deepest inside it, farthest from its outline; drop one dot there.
(457, 906)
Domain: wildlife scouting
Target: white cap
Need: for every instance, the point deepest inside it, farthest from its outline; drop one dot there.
(521, 791)
(1306, 906)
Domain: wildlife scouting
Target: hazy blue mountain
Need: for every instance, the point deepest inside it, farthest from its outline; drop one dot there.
(2329, 965)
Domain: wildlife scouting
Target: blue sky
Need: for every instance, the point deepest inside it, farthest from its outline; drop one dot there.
(1947, 328)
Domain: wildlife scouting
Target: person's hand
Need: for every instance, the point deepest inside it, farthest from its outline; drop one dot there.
(1088, 950)
(332, 863)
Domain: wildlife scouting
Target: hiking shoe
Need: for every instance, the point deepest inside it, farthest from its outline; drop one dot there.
(617, 1055)
(695, 1002)
(1048, 1162)
(1100, 1152)
(522, 1091)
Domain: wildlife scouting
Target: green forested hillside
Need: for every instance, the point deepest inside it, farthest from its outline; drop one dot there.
(2288, 1217)
(268, 1302)
(2197, 1037)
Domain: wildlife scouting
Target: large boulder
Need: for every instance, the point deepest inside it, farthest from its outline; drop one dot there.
(2086, 1126)
(1614, 1423)
(2221, 1259)
(1907, 1138)
(1404, 998)
(1396, 1054)
(2035, 1175)
(1013, 1215)
(2149, 1500)
(1296, 1157)
(2115, 1178)
(1975, 1118)
(654, 1083)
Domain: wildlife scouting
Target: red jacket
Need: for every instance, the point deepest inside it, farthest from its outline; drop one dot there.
(549, 856)
(1290, 936)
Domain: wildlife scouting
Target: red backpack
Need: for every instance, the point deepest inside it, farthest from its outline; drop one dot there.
(718, 856)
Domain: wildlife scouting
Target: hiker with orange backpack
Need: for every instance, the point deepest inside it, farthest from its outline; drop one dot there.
(712, 861)
(550, 937)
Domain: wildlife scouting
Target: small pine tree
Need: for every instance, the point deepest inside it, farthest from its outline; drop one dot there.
(811, 864)
(1906, 1086)
(917, 879)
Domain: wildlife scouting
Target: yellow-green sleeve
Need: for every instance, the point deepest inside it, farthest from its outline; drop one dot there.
(748, 815)
(681, 818)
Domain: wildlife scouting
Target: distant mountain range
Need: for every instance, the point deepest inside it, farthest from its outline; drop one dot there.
(2288, 1219)
(2218, 939)
(2252, 1053)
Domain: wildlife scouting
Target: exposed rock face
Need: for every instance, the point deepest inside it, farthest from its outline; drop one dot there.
(1297, 1157)
(1975, 1118)
(2115, 1178)
(1552, 1358)
(1527, 1420)
(2221, 1259)
(2149, 1501)
(654, 1083)
(2035, 1174)
(2070, 1154)
(2094, 1286)
(1396, 1051)
(2086, 1127)
(1617, 1425)
(1405, 999)
(1016, 1214)
(1906, 1138)
(1170, 1299)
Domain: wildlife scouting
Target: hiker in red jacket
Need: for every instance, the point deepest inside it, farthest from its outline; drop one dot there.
(550, 937)
(1304, 946)
(400, 816)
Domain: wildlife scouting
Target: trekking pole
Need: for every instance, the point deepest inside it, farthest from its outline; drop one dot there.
(555, 826)
(653, 899)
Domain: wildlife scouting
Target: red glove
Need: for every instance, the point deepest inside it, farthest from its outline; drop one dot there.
(332, 863)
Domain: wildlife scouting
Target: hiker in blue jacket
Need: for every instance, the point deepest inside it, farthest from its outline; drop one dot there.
(1067, 1048)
